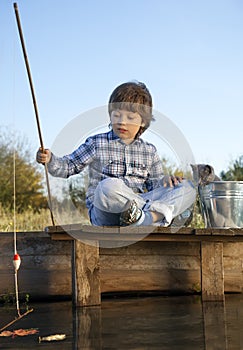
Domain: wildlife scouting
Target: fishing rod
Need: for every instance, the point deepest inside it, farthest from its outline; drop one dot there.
(34, 103)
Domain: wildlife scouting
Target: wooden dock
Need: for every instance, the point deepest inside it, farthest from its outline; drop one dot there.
(206, 261)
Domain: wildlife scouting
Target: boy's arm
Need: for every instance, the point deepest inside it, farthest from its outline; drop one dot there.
(56, 166)
(70, 164)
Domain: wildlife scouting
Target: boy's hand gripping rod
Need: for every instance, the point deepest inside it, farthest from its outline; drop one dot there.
(34, 103)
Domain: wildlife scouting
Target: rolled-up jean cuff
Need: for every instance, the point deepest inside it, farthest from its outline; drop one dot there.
(165, 210)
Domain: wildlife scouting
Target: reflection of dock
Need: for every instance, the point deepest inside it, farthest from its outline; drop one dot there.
(214, 315)
(162, 323)
(207, 261)
(166, 323)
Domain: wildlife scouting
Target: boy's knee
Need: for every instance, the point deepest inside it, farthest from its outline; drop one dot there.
(109, 195)
(110, 185)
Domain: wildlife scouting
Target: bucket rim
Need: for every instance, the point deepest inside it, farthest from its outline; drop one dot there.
(221, 181)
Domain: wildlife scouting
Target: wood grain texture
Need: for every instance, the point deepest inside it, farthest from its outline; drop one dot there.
(86, 273)
(212, 271)
(171, 263)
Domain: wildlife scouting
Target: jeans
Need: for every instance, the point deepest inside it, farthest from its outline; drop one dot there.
(112, 196)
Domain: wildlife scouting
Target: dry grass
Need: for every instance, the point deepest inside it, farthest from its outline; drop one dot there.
(33, 221)
(26, 221)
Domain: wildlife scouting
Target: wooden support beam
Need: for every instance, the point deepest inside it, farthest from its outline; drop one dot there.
(212, 271)
(86, 274)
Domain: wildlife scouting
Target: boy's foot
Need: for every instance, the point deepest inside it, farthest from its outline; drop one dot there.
(184, 219)
(131, 215)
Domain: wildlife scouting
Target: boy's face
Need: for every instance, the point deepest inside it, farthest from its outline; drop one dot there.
(125, 124)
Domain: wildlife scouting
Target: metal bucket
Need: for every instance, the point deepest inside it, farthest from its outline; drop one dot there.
(222, 204)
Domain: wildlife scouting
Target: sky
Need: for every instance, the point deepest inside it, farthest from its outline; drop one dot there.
(188, 53)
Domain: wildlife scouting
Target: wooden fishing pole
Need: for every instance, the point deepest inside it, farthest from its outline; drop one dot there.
(34, 103)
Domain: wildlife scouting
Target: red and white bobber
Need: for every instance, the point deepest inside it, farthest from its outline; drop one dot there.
(16, 261)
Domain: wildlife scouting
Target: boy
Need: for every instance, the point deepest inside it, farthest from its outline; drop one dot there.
(126, 182)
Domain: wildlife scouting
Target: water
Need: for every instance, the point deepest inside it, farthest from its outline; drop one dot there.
(175, 323)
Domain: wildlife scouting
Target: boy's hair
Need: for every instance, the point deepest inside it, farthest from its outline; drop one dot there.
(134, 97)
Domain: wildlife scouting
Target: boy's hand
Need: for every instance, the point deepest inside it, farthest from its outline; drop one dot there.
(43, 157)
(171, 181)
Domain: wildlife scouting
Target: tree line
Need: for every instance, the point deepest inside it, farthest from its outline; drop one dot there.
(21, 177)
(21, 180)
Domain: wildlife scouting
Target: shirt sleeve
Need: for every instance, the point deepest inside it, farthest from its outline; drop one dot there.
(73, 163)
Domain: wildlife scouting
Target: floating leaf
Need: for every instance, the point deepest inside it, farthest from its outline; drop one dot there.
(24, 332)
(6, 334)
(19, 332)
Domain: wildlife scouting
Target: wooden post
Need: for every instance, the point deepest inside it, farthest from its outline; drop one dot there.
(86, 274)
(212, 271)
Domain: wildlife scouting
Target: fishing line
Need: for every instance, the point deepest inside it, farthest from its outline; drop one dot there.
(16, 257)
(34, 104)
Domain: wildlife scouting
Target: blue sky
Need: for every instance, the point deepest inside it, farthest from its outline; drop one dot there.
(189, 54)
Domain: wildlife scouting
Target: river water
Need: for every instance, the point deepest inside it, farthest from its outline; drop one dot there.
(158, 322)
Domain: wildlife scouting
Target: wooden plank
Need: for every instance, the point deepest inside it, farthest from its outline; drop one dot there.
(233, 267)
(40, 284)
(151, 233)
(151, 237)
(150, 263)
(86, 274)
(219, 231)
(32, 243)
(61, 236)
(233, 264)
(133, 230)
(144, 229)
(193, 238)
(38, 262)
(233, 282)
(144, 248)
(234, 250)
(212, 271)
(168, 281)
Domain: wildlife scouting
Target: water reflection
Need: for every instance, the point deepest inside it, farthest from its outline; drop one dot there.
(215, 329)
(175, 323)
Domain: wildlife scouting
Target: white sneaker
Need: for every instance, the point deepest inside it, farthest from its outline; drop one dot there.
(132, 215)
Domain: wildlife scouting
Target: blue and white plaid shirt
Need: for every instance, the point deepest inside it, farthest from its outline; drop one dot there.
(137, 164)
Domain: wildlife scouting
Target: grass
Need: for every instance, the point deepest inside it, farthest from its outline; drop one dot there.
(37, 221)
(29, 220)
(26, 221)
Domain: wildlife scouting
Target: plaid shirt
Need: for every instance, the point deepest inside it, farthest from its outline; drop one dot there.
(137, 164)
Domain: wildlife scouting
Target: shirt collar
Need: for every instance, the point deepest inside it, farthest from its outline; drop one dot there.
(113, 137)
